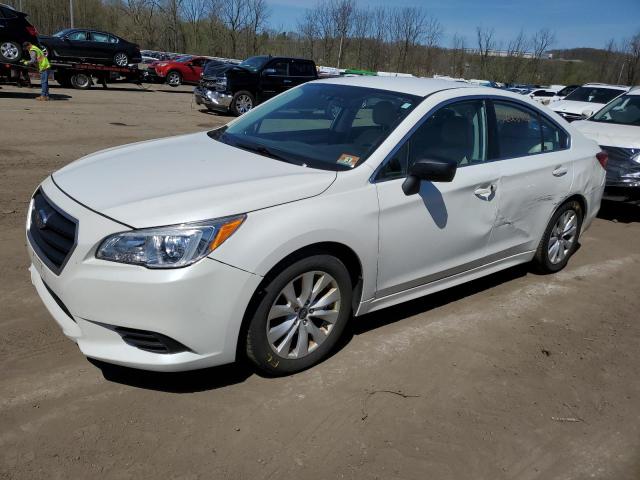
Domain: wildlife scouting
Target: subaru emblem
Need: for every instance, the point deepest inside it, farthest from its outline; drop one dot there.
(42, 218)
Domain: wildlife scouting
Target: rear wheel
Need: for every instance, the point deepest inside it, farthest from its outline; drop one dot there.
(121, 59)
(301, 316)
(560, 239)
(81, 81)
(10, 51)
(174, 79)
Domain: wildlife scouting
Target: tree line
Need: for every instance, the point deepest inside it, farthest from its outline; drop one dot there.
(344, 34)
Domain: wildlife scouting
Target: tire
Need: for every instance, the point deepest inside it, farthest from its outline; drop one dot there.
(174, 78)
(298, 337)
(81, 81)
(10, 51)
(121, 59)
(242, 102)
(563, 231)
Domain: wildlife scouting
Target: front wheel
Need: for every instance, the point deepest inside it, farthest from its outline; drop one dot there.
(174, 79)
(121, 59)
(242, 102)
(560, 239)
(301, 315)
(10, 51)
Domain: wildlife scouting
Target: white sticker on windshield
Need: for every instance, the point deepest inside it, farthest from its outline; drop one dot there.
(406, 105)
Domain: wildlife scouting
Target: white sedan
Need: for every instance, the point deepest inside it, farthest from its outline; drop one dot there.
(339, 197)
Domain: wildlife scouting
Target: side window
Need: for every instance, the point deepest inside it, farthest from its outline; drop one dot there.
(77, 36)
(456, 132)
(518, 130)
(553, 138)
(301, 69)
(99, 37)
(113, 39)
(280, 68)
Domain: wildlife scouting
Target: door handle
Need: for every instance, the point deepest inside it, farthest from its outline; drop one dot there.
(485, 193)
(559, 171)
(286, 81)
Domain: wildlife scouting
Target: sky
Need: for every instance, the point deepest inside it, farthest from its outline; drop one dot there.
(576, 23)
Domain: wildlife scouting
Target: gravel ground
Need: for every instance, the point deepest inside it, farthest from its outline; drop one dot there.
(513, 376)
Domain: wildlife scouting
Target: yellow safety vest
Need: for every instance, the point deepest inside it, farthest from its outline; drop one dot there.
(43, 61)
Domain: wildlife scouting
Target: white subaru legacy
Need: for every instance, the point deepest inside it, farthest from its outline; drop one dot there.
(261, 239)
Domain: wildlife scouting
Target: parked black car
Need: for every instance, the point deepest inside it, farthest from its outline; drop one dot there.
(239, 88)
(14, 30)
(77, 44)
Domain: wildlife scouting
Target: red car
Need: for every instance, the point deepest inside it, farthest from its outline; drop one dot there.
(178, 71)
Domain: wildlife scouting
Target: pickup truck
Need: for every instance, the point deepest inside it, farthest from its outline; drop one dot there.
(238, 88)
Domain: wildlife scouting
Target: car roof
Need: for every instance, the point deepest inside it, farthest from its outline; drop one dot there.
(634, 91)
(408, 85)
(606, 85)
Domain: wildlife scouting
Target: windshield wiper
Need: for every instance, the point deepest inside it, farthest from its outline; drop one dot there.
(262, 150)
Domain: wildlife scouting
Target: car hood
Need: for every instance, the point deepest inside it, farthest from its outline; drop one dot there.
(183, 179)
(610, 134)
(571, 106)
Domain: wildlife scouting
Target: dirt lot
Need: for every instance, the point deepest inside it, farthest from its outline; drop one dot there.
(514, 376)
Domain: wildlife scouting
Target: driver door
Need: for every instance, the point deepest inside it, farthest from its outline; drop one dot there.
(445, 228)
(274, 78)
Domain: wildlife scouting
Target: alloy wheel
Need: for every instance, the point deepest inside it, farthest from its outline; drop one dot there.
(244, 103)
(10, 51)
(121, 59)
(173, 79)
(303, 314)
(563, 236)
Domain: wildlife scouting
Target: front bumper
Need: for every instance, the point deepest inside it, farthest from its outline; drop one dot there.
(212, 99)
(200, 306)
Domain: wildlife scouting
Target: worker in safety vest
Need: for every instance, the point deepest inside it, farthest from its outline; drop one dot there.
(39, 59)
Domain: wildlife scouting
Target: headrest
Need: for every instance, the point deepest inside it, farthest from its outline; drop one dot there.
(456, 130)
(384, 113)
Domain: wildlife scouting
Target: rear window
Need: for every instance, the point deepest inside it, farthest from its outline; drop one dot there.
(594, 94)
(7, 13)
(302, 69)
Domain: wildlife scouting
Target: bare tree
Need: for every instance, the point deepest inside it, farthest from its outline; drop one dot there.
(516, 61)
(194, 12)
(234, 15)
(309, 31)
(540, 43)
(342, 12)
(486, 47)
(632, 59)
(458, 56)
(378, 38)
(258, 15)
(407, 30)
(361, 28)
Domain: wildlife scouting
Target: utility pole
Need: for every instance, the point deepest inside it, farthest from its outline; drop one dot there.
(71, 12)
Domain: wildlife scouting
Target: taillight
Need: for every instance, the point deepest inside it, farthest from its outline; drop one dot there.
(32, 30)
(603, 158)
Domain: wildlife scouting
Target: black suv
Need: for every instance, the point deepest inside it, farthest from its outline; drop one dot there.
(79, 44)
(14, 30)
(239, 88)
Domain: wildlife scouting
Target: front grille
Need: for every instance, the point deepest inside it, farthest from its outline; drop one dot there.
(150, 341)
(52, 232)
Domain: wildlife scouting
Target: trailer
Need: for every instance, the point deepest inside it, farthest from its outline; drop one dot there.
(83, 75)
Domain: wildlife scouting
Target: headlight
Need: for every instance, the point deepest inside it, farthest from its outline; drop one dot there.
(168, 247)
(636, 156)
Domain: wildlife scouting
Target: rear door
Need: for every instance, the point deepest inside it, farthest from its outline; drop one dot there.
(536, 171)
(193, 70)
(301, 71)
(275, 78)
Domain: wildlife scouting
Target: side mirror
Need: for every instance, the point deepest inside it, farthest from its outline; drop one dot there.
(429, 170)
(587, 113)
(268, 71)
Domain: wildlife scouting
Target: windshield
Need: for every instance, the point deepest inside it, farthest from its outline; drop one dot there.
(320, 125)
(624, 110)
(62, 33)
(182, 59)
(566, 91)
(254, 63)
(593, 94)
